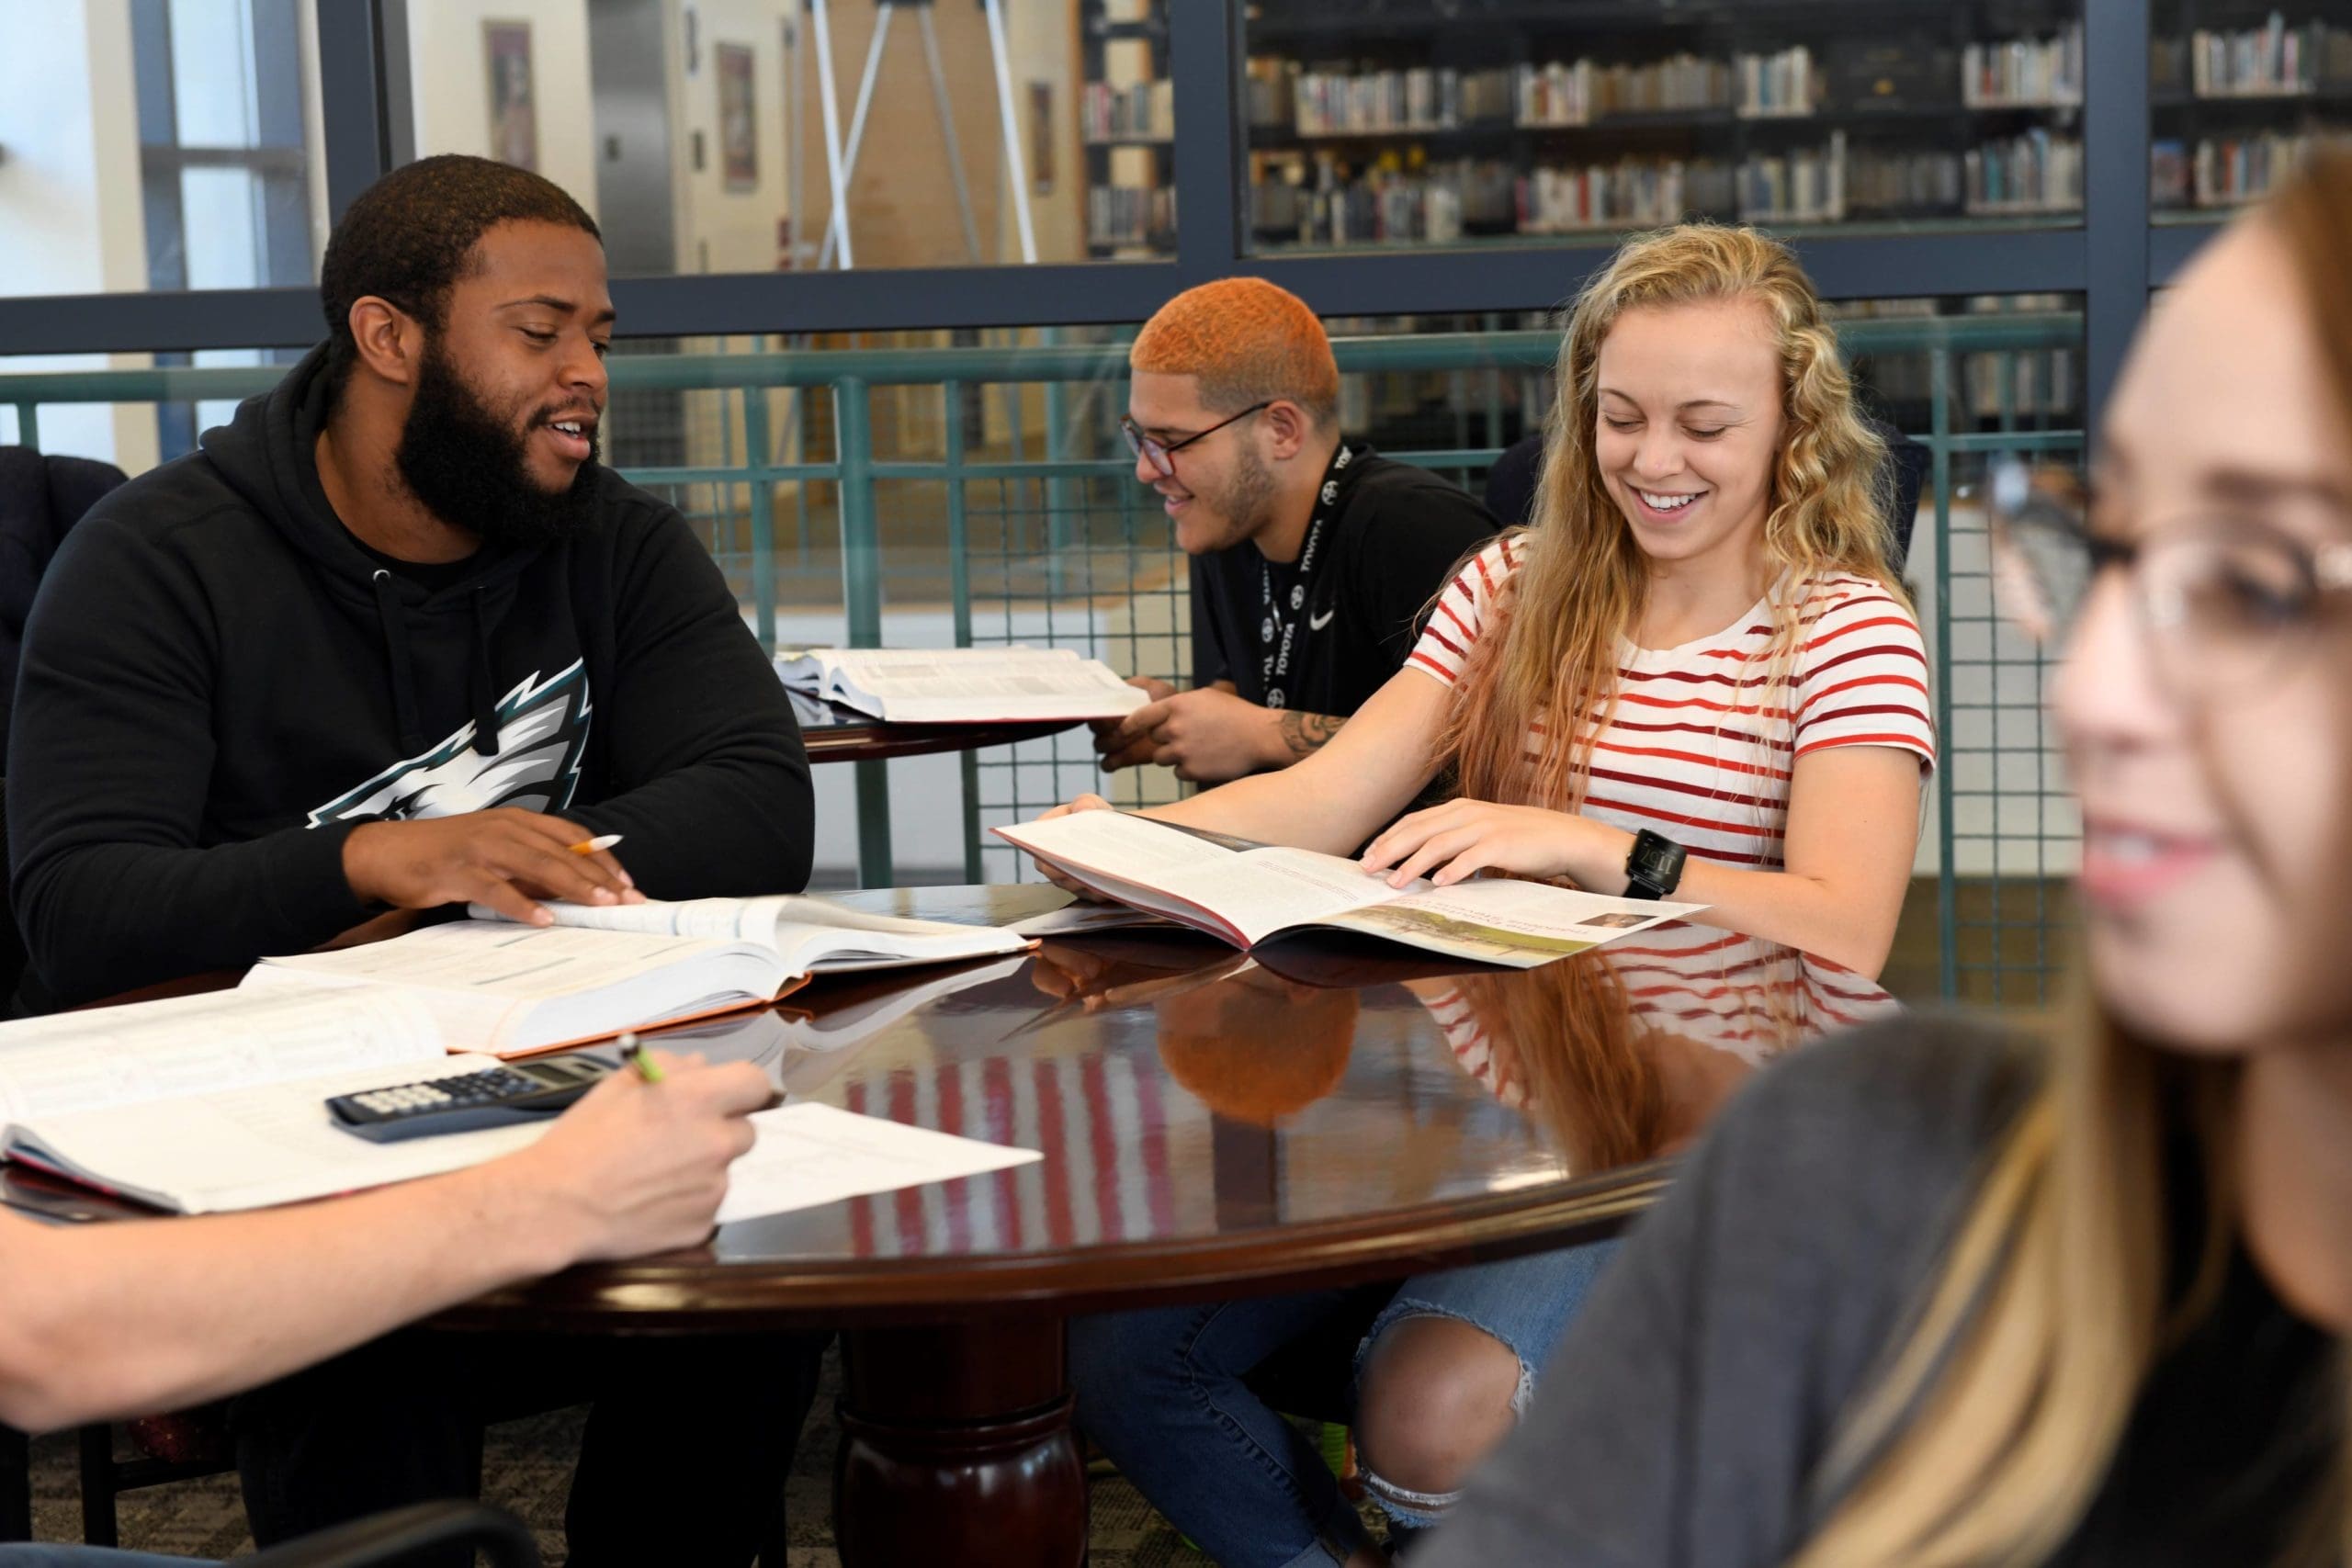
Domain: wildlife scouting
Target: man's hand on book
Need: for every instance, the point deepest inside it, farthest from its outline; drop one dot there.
(1083, 803)
(1123, 745)
(637, 1167)
(507, 859)
(1208, 736)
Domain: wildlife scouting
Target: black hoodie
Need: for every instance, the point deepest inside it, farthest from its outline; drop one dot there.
(218, 683)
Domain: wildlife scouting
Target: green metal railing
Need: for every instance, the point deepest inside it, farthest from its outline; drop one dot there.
(1070, 539)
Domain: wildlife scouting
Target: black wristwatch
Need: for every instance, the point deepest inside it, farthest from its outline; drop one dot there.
(1654, 865)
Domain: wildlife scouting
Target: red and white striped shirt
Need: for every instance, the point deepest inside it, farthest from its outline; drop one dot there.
(1689, 753)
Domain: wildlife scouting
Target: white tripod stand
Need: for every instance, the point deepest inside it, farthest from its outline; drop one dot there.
(840, 158)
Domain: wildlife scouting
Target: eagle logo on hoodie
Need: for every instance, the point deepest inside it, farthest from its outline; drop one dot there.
(542, 735)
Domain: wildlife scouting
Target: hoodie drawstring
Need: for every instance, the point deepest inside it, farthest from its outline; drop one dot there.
(393, 617)
(486, 705)
(394, 621)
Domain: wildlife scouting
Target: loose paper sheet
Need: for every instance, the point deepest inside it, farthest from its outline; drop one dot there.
(811, 1154)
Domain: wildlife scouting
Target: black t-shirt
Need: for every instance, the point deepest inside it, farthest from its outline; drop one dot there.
(433, 575)
(1395, 540)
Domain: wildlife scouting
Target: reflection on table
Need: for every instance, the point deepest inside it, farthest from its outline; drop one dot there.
(833, 733)
(1206, 1111)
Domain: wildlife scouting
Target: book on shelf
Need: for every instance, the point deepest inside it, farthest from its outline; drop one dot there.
(2032, 173)
(217, 1103)
(1420, 98)
(2231, 171)
(2024, 72)
(1247, 895)
(1806, 185)
(1269, 98)
(960, 686)
(1629, 193)
(1786, 85)
(2273, 61)
(1130, 216)
(1141, 111)
(1580, 92)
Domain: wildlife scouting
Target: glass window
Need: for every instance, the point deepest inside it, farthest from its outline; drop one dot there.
(2237, 93)
(168, 144)
(703, 136)
(1392, 122)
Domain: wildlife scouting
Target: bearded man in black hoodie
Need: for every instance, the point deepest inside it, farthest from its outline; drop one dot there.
(394, 639)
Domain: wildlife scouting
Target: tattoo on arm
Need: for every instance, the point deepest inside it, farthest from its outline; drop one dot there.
(1305, 733)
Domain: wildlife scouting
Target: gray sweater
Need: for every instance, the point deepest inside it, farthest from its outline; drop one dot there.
(1681, 1420)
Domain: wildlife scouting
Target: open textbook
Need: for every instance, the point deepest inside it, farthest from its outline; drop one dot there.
(809, 935)
(960, 686)
(1249, 894)
(512, 989)
(218, 1103)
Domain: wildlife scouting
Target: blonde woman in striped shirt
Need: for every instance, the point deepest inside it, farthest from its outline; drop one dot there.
(1701, 637)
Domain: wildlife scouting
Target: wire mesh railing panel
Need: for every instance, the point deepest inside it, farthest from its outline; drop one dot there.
(981, 496)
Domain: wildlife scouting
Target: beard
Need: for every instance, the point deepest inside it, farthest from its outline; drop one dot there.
(468, 464)
(1246, 500)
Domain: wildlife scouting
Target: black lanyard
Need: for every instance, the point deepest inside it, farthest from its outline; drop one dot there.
(1276, 628)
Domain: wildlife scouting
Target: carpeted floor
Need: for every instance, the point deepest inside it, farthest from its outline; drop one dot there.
(526, 1467)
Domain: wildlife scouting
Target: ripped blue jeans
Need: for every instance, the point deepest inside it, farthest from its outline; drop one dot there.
(1163, 1392)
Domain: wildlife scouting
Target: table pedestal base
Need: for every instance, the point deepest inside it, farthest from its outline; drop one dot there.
(956, 1447)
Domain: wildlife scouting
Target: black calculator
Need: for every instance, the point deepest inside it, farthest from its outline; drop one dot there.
(523, 1092)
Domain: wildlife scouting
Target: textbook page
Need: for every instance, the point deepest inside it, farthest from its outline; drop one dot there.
(1243, 897)
(1497, 919)
(809, 1154)
(161, 1050)
(508, 988)
(952, 685)
(809, 934)
(254, 1146)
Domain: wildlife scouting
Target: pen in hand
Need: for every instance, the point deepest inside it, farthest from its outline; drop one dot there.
(634, 1052)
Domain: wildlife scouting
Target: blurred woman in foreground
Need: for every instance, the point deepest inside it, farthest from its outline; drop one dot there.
(2088, 1307)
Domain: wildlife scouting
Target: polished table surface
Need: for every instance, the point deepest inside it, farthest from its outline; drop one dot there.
(1213, 1122)
(832, 733)
(1327, 1110)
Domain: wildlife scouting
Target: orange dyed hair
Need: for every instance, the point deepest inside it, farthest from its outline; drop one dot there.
(1261, 1065)
(1248, 342)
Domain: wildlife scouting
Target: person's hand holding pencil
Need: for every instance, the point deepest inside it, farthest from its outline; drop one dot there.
(507, 859)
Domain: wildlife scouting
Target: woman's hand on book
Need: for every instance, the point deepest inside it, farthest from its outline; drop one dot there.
(507, 859)
(638, 1168)
(1461, 838)
(1083, 803)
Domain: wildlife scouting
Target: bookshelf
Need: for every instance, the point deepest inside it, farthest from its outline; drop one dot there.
(1388, 122)
(2236, 92)
(1127, 128)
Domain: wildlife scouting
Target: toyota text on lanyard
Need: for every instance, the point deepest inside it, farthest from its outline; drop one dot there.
(1278, 630)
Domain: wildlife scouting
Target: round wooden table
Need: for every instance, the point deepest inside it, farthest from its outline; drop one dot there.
(1212, 1124)
(832, 733)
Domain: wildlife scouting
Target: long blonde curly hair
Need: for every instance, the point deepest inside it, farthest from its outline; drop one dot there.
(1547, 649)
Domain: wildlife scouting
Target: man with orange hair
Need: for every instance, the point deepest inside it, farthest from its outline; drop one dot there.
(1312, 560)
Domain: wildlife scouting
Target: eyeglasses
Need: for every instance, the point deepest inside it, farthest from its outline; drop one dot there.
(1161, 454)
(2221, 598)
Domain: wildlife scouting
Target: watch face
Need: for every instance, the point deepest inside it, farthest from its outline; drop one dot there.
(1655, 859)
